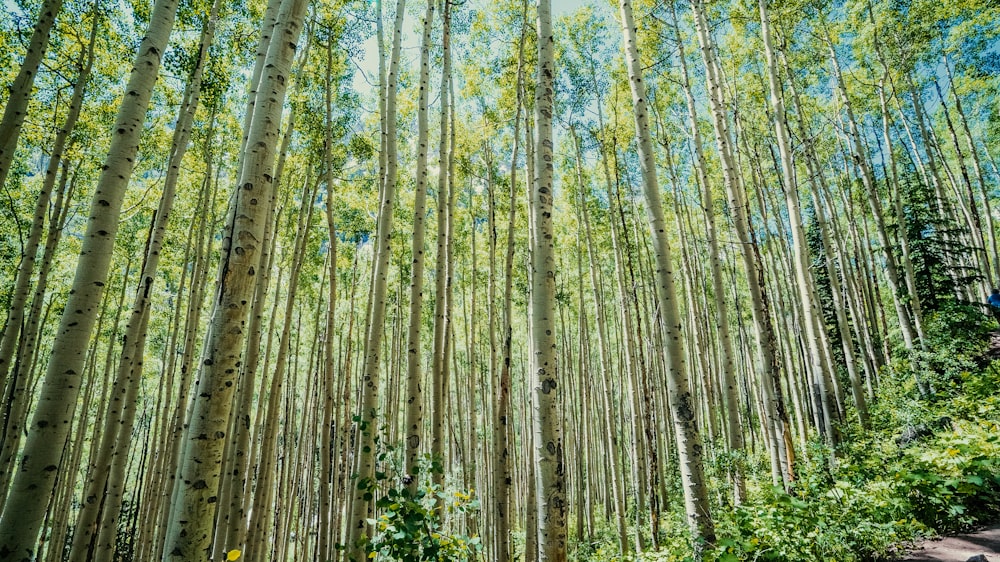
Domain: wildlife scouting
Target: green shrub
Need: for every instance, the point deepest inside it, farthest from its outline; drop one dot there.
(410, 526)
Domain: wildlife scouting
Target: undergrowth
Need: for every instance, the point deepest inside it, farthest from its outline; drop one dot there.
(928, 463)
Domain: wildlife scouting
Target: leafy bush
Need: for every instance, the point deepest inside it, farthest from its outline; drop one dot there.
(410, 524)
(954, 481)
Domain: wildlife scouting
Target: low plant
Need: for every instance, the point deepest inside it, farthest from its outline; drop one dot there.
(410, 525)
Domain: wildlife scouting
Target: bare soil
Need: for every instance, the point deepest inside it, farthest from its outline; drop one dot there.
(958, 548)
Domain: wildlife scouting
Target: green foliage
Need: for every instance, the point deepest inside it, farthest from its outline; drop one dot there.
(928, 464)
(955, 337)
(884, 489)
(411, 523)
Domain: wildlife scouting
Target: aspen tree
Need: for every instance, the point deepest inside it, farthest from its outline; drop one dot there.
(261, 519)
(689, 447)
(357, 522)
(734, 431)
(15, 109)
(232, 522)
(414, 390)
(154, 476)
(611, 433)
(975, 220)
(23, 512)
(627, 316)
(102, 500)
(769, 375)
(439, 367)
(800, 252)
(502, 426)
(324, 549)
(860, 159)
(550, 493)
(993, 254)
(21, 328)
(190, 524)
(906, 262)
(175, 413)
(817, 178)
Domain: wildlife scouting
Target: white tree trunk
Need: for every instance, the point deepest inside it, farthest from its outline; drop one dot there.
(550, 493)
(189, 529)
(24, 508)
(689, 447)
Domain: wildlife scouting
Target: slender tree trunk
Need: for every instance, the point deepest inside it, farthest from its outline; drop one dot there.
(190, 525)
(502, 431)
(734, 432)
(800, 251)
(262, 516)
(367, 426)
(23, 512)
(611, 432)
(860, 159)
(776, 425)
(21, 328)
(16, 108)
(414, 382)
(327, 433)
(688, 439)
(107, 480)
(993, 253)
(439, 366)
(547, 428)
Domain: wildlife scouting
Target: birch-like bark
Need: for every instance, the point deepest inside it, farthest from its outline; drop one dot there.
(103, 497)
(16, 108)
(24, 328)
(611, 432)
(550, 493)
(357, 524)
(439, 361)
(23, 511)
(688, 439)
(414, 382)
(861, 160)
(262, 515)
(769, 373)
(840, 309)
(800, 250)
(324, 549)
(993, 253)
(189, 527)
(502, 430)
(734, 431)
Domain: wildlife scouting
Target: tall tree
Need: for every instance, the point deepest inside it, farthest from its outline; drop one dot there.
(190, 524)
(688, 438)
(16, 108)
(23, 513)
(546, 420)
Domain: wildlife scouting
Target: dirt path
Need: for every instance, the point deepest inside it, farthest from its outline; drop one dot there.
(959, 548)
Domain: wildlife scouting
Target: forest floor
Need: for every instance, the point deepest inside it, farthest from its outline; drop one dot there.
(959, 548)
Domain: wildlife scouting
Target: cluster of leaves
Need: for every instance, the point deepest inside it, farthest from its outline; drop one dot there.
(928, 464)
(411, 523)
(854, 512)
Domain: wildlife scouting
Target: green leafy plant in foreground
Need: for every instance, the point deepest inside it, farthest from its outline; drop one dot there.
(410, 524)
(882, 489)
